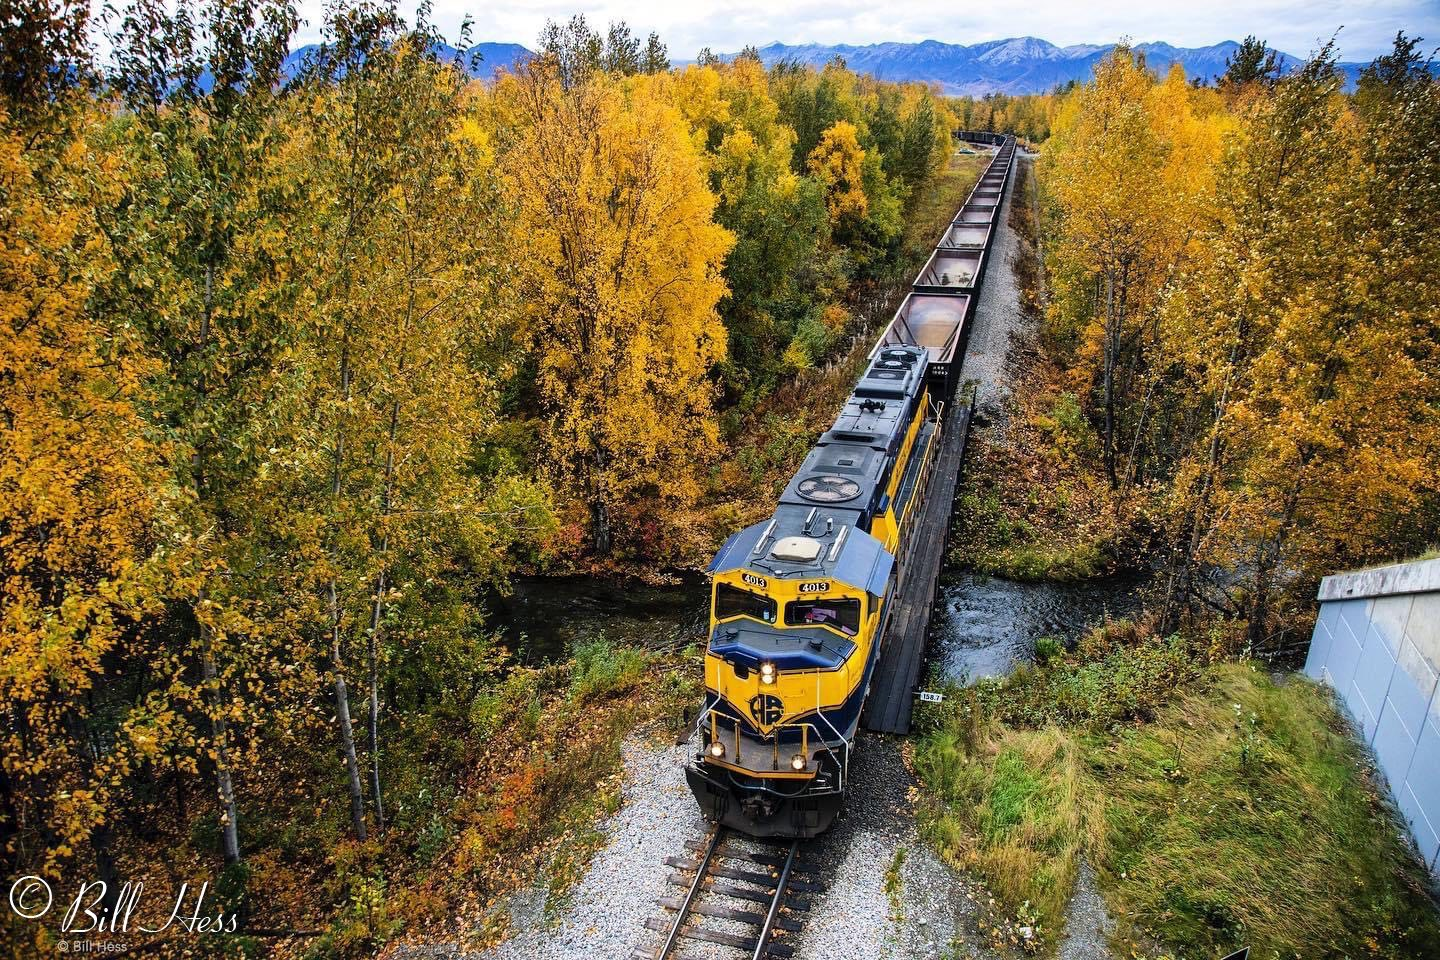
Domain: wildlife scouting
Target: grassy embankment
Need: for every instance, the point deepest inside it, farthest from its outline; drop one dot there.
(1219, 807)
(1032, 503)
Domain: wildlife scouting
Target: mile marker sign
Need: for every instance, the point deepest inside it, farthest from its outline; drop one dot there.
(927, 697)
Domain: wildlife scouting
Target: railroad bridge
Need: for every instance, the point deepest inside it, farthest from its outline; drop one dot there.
(953, 274)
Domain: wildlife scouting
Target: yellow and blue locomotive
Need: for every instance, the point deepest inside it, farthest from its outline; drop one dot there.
(800, 602)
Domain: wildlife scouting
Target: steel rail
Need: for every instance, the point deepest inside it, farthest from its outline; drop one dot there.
(763, 942)
(684, 912)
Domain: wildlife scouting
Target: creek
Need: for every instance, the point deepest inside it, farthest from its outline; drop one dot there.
(983, 625)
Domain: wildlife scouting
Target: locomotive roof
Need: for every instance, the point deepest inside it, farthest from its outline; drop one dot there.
(847, 553)
(838, 487)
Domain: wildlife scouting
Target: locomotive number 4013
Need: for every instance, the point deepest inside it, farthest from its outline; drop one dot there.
(815, 586)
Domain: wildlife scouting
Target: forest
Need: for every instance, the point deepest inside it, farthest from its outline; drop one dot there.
(1236, 383)
(1226, 390)
(297, 369)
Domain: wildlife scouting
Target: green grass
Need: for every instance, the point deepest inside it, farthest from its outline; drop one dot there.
(1062, 563)
(1219, 808)
(936, 203)
(601, 668)
(1010, 809)
(1246, 816)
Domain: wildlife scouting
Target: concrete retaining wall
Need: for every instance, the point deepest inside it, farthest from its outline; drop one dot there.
(1377, 642)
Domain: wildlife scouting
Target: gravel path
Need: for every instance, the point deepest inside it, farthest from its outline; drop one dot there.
(604, 914)
(998, 314)
(1087, 922)
(930, 909)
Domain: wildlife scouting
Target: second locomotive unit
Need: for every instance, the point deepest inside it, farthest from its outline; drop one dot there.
(800, 602)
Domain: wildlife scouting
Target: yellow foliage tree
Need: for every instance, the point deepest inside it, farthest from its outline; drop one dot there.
(1310, 330)
(837, 162)
(1131, 174)
(619, 268)
(78, 493)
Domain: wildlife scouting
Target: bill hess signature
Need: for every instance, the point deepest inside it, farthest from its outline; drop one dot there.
(92, 910)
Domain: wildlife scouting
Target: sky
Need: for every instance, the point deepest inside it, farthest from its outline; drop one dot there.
(1295, 26)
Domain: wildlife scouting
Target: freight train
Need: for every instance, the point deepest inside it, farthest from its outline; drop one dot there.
(800, 602)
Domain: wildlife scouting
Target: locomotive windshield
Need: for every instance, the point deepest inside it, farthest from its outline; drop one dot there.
(836, 612)
(734, 602)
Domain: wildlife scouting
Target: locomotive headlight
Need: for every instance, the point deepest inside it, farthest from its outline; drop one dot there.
(717, 749)
(767, 673)
(798, 762)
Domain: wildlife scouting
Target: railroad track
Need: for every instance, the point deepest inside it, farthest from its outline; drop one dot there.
(719, 879)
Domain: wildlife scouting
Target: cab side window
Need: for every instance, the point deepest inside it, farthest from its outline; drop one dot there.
(836, 612)
(734, 602)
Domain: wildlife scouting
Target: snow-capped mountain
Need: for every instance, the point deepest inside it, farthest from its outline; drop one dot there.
(1015, 65)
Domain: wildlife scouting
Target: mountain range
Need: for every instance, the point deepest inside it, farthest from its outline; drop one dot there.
(1018, 65)
(483, 60)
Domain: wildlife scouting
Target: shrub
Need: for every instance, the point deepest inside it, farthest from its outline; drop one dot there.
(1101, 684)
(1048, 648)
(601, 668)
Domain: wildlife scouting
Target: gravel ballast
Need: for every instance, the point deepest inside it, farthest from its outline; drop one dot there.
(929, 910)
(604, 913)
(998, 315)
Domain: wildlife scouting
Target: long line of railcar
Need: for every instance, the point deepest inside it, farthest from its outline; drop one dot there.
(801, 602)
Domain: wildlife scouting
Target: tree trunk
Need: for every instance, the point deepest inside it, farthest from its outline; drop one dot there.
(342, 715)
(599, 509)
(1110, 343)
(105, 868)
(1268, 559)
(219, 732)
(230, 822)
(1177, 599)
(374, 652)
(377, 608)
(342, 696)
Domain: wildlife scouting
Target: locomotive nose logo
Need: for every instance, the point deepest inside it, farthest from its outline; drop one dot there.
(766, 709)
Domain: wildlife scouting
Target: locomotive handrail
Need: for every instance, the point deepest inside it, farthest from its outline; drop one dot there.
(926, 464)
(842, 762)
